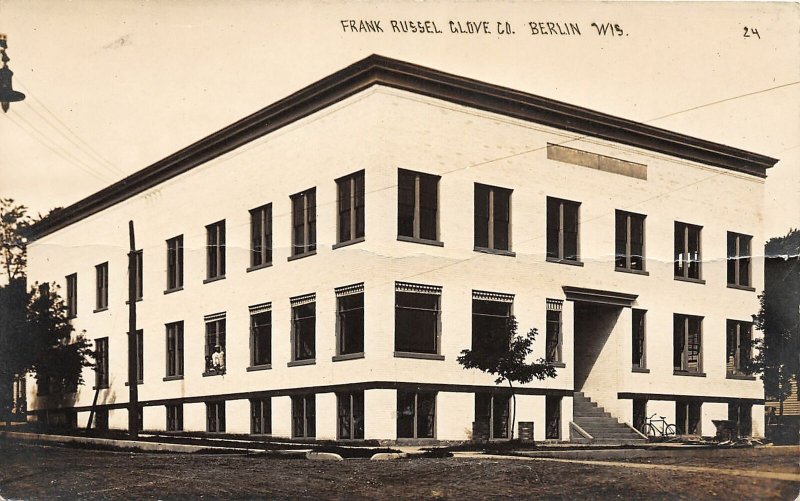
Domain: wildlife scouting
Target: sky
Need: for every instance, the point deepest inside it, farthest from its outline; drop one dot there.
(114, 86)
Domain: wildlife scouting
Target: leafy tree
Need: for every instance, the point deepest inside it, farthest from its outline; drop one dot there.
(506, 358)
(778, 356)
(14, 221)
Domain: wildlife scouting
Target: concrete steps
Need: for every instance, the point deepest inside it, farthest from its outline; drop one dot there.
(602, 426)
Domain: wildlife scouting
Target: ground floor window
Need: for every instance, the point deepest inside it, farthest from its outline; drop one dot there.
(304, 418)
(261, 416)
(350, 415)
(552, 417)
(101, 419)
(687, 417)
(492, 416)
(416, 414)
(215, 416)
(175, 417)
(741, 413)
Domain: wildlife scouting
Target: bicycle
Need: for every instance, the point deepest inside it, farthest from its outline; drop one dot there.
(659, 428)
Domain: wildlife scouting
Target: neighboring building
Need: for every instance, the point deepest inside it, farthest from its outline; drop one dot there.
(314, 269)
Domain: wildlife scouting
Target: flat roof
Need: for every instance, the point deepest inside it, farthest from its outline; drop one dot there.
(380, 70)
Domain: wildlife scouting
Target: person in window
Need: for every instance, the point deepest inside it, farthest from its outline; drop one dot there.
(218, 359)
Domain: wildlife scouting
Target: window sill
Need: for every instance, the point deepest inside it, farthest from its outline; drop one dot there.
(172, 378)
(692, 280)
(348, 242)
(213, 279)
(634, 272)
(557, 365)
(297, 363)
(743, 377)
(176, 289)
(742, 287)
(425, 241)
(641, 370)
(564, 261)
(137, 383)
(98, 310)
(421, 356)
(499, 252)
(687, 373)
(301, 256)
(262, 367)
(259, 267)
(348, 356)
(214, 373)
(137, 300)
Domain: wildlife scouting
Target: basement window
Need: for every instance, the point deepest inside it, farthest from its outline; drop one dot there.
(416, 414)
(215, 417)
(350, 415)
(492, 416)
(175, 417)
(552, 418)
(261, 416)
(304, 417)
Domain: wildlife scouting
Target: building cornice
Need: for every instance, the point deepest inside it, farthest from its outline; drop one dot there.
(379, 70)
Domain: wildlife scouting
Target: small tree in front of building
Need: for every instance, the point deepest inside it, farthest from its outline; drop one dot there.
(507, 359)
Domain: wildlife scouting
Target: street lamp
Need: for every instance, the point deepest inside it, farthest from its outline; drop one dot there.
(7, 94)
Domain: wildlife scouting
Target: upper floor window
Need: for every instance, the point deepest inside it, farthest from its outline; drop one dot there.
(304, 222)
(175, 263)
(739, 347)
(562, 229)
(138, 260)
(687, 343)
(350, 190)
(101, 273)
(491, 313)
(261, 236)
(417, 206)
(215, 344)
(687, 251)
(629, 241)
(638, 339)
(101, 363)
(417, 323)
(739, 259)
(553, 334)
(304, 320)
(492, 217)
(72, 295)
(261, 335)
(350, 319)
(215, 250)
(174, 349)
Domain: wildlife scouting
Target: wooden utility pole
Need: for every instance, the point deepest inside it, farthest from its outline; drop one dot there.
(133, 373)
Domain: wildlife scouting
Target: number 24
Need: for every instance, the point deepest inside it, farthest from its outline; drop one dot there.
(751, 31)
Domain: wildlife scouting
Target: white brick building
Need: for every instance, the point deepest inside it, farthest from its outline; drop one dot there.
(343, 245)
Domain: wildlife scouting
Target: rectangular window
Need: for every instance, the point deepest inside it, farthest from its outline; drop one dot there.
(101, 419)
(562, 229)
(552, 417)
(739, 342)
(350, 202)
(261, 236)
(175, 263)
(139, 356)
(639, 414)
(215, 250)
(304, 418)
(215, 417)
(304, 325)
(175, 349)
(304, 222)
(687, 417)
(492, 217)
(416, 414)
(629, 241)
(101, 273)
(417, 205)
(492, 415)
(261, 416)
(101, 362)
(638, 340)
(72, 295)
(215, 344)
(350, 319)
(175, 417)
(742, 414)
(138, 291)
(491, 313)
(553, 334)
(350, 415)
(688, 258)
(261, 335)
(687, 343)
(417, 318)
(739, 259)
